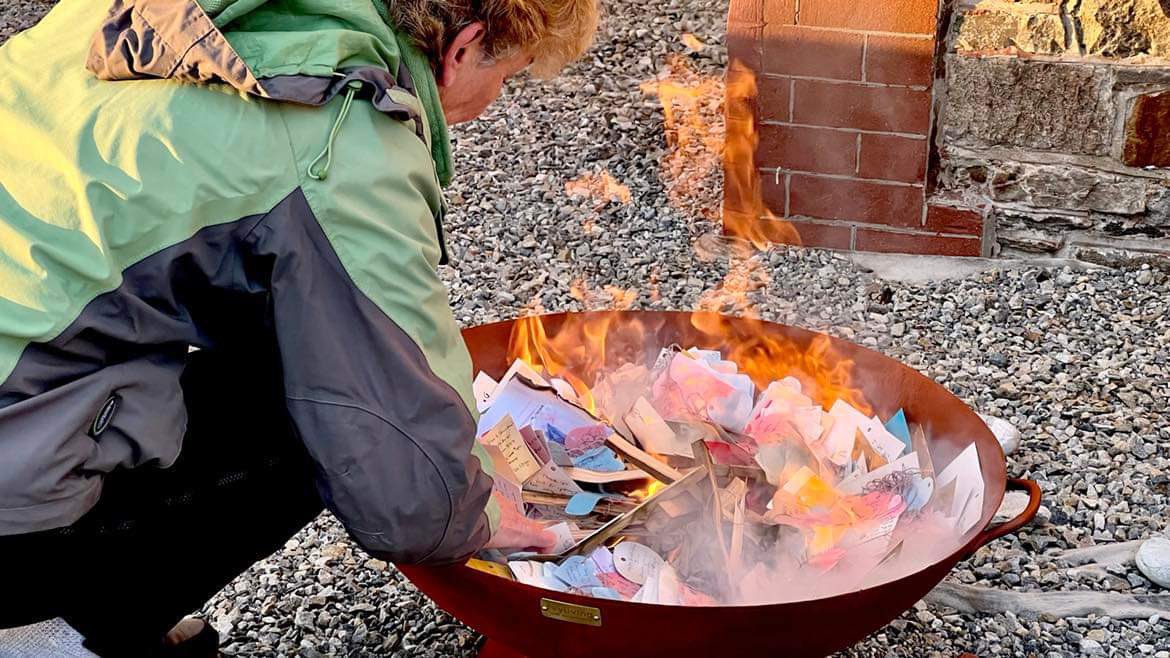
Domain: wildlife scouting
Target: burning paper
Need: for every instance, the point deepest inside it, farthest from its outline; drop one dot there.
(685, 487)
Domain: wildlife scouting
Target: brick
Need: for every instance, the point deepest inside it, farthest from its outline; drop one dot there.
(952, 219)
(746, 11)
(904, 16)
(889, 157)
(774, 193)
(790, 50)
(784, 231)
(899, 61)
(1147, 139)
(780, 12)
(916, 243)
(824, 236)
(743, 44)
(856, 200)
(820, 150)
(774, 98)
(887, 109)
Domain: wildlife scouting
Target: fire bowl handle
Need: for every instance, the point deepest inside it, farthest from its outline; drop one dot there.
(994, 532)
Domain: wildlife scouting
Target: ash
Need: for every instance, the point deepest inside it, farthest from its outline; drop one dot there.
(1077, 359)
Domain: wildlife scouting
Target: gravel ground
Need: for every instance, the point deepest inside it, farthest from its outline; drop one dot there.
(1078, 360)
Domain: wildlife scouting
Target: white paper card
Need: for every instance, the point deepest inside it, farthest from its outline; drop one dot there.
(653, 432)
(856, 484)
(538, 408)
(965, 473)
(636, 562)
(482, 388)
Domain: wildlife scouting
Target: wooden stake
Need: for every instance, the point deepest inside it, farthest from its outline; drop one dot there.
(606, 506)
(657, 468)
(615, 527)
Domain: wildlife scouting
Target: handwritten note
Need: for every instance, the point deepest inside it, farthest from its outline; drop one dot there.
(551, 478)
(507, 439)
(504, 481)
(885, 444)
(600, 459)
(536, 444)
(837, 445)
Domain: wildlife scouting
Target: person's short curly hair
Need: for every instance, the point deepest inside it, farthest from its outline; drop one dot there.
(554, 32)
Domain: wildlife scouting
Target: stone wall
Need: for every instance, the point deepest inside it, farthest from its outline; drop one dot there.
(959, 127)
(1055, 121)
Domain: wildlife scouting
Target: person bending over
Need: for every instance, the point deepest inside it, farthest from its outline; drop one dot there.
(220, 223)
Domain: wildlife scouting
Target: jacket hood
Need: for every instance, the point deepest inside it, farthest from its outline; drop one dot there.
(302, 51)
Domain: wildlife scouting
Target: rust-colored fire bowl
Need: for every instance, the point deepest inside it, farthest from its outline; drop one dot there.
(520, 620)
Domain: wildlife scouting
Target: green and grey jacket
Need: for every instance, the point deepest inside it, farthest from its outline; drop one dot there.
(166, 168)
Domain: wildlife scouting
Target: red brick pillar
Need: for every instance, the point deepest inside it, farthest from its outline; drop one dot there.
(843, 107)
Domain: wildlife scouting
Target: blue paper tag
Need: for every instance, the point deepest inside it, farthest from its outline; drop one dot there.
(898, 427)
(604, 593)
(553, 434)
(579, 572)
(600, 459)
(583, 503)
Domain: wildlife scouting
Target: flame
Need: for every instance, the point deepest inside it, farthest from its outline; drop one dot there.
(825, 375)
(584, 346)
(622, 298)
(742, 189)
(649, 490)
(692, 42)
(600, 186)
(691, 108)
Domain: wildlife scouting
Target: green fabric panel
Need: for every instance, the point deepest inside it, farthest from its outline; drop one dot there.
(215, 7)
(321, 37)
(87, 191)
(226, 11)
(428, 95)
(286, 37)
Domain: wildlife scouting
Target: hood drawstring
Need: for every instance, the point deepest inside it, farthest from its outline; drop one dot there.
(327, 154)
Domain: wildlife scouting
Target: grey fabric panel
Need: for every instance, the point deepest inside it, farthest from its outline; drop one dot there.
(165, 39)
(376, 84)
(393, 440)
(131, 342)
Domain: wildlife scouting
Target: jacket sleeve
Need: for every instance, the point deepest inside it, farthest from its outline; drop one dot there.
(378, 385)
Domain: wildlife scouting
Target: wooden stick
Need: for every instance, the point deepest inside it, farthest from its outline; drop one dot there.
(617, 525)
(657, 468)
(606, 506)
(703, 457)
(1108, 554)
(971, 600)
(736, 553)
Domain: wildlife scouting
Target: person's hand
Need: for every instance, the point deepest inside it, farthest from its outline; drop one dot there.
(518, 532)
